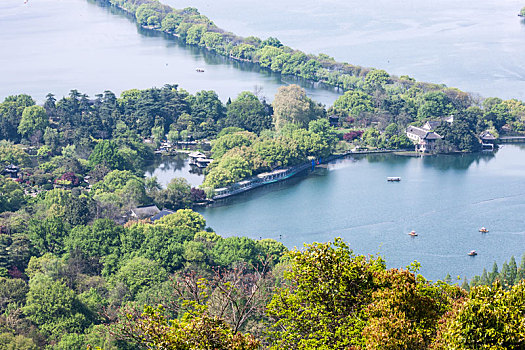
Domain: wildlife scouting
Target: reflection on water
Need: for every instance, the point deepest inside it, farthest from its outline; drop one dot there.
(387, 158)
(457, 162)
(166, 168)
(213, 59)
(445, 198)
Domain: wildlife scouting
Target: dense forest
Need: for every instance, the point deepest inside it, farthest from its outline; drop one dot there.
(77, 271)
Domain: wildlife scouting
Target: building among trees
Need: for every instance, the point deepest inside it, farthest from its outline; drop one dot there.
(423, 138)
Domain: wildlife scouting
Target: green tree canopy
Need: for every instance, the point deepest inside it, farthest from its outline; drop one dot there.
(234, 249)
(11, 195)
(434, 104)
(354, 103)
(491, 318)
(33, 118)
(139, 273)
(247, 112)
(291, 105)
(53, 307)
(48, 235)
(322, 305)
(229, 141)
(11, 111)
(177, 195)
(106, 152)
(12, 154)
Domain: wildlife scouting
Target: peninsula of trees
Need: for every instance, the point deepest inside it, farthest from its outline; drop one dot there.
(372, 97)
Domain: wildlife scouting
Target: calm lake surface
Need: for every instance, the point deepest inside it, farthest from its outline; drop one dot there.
(166, 168)
(445, 198)
(59, 45)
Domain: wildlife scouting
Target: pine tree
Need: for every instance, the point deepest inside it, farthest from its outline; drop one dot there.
(504, 276)
(465, 285)
(484, 280)
(521, 271)
(513, 271)
(475, 281)
(494, 275)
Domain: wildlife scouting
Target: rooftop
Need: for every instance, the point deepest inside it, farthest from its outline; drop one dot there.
(275, 172)
(161, 214)
(144, 212)
(423, 133)
(487, 135)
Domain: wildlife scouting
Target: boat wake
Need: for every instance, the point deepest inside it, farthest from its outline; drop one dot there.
(495, 199)
(517, 233)
(485, 201)
(332, 231)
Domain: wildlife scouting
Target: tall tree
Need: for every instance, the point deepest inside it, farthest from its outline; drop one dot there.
(291, 105)
(247, 112)
(34, 118)
(10, 115)
(322, 302)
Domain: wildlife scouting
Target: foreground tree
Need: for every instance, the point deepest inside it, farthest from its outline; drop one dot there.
(490, 318)
(405, 312)
(195, 331)
(323, 300)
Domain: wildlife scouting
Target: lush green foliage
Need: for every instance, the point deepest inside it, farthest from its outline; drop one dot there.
(67, 269)
(11, 111)
(490, 318)
(11, 195)
(241, 154)
(152, 329)
(291, 105)
(77, 271)
(509, 275)
(323, 305)
(249, 113)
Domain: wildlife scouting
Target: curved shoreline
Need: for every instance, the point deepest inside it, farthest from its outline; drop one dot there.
(255, 182)
(318, 69)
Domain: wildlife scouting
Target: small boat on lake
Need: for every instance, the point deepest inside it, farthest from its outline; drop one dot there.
(200, 70)
(412, 233)
(472, 253)
(483, 230)
(393, 178)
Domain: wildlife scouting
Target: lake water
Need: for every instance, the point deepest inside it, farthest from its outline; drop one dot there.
(475, 46)
(59, 45)
(445, 198)
(166, 168)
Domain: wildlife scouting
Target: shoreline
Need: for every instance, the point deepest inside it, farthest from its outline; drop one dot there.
(241, 186)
